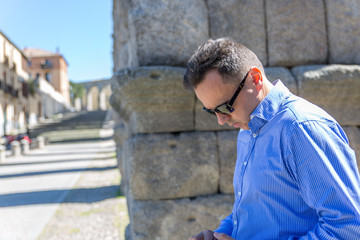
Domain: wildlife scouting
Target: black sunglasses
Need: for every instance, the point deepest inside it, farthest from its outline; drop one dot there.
(226, 107)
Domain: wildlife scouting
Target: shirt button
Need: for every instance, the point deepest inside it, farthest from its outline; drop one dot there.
(239, 193)
(235, 222)
(245, 163)
(254, 135)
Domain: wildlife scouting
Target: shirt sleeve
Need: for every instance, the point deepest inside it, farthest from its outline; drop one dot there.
(226, 226)
(324, 167)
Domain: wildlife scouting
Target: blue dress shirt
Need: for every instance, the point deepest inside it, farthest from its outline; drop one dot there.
(295, 177)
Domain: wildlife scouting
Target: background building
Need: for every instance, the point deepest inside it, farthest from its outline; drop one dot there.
(52, 67)
(14, 91)
(33, 85)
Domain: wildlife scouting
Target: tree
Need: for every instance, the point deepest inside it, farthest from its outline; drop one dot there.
(76, 90)
(33, 85)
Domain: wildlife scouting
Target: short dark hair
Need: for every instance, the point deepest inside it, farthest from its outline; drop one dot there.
(232, 60)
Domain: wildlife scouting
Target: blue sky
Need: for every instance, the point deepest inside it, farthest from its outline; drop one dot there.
(81, 29)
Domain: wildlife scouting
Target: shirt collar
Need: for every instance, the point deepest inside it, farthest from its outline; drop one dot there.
(268, 107)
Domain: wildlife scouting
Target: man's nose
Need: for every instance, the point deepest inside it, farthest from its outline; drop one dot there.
(222, 118)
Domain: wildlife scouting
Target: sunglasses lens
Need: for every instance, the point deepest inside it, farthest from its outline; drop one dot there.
(209, 110)
(224, 109)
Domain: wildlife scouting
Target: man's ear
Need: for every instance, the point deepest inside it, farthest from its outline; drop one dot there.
(256, 77)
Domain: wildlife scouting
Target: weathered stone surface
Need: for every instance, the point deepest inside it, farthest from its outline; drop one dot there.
(296, 32)
(121, 130)
(152, 99)
(205, 121)
(164, 166)
(353, 133)
(124, 46)
(167, 32)
(335, 88)
(343, 30)
(241, 20)
(284, 74)
(178, 219)
(227, 141)
(121, 134)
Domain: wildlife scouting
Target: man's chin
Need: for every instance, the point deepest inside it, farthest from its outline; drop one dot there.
(236, 125)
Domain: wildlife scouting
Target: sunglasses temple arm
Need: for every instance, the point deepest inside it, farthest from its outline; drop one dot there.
(232, 100)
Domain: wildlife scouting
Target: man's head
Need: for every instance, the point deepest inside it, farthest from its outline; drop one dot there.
(231, 60)
(228, 79)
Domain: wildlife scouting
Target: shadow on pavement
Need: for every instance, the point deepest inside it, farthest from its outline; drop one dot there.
(56, 161)
(57, 171)
(62, 153)
(74, 140)
(80, 195)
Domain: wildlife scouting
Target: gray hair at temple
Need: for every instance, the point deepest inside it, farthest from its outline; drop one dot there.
(232, 60)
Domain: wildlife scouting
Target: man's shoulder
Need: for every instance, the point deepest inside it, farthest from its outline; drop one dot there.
(297, 110)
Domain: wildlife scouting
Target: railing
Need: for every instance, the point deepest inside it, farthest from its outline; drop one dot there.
(15, 93)
(8, 88)
(11, 90)
(46, 65)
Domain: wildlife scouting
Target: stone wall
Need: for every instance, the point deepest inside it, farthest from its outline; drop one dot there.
(283, 33)
(176, 161)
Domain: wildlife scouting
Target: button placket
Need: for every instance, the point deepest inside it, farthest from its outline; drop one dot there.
(242, 172)
(243, 168)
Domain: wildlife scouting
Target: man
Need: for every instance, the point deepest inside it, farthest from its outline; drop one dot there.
(296, 176)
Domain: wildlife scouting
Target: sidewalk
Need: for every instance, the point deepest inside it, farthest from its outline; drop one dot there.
(66, 191)
(95, 209)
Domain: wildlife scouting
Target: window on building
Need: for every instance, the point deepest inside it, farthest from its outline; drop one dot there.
(3, 80)
(48, 77)
(46, 64)
(24, 89)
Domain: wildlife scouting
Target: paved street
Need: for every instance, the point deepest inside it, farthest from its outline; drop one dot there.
(38, 189)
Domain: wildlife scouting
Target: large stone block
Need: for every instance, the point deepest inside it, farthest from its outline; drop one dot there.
(121, 130)
(343, 30)
(178, 219)
(227, 141)
(124, 47)
(284, 74)
(242, 21)
(165, 166)
(167, 32)
(152, 99)
(335, 88)
(296, 32)
(353, 133)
